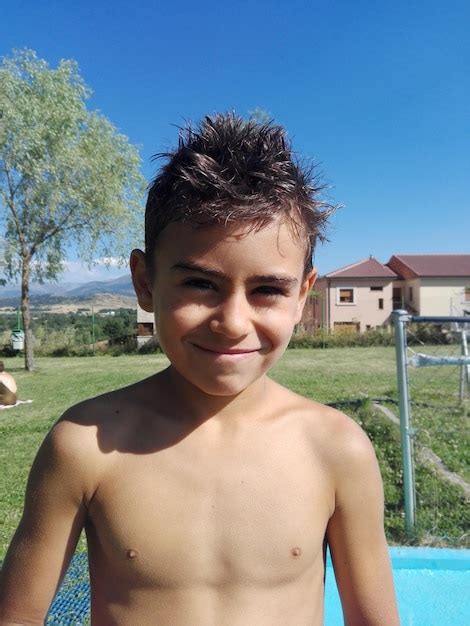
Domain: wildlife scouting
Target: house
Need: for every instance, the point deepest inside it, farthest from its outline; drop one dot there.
(145, 327)
(432, 284)
(363, 295)
(354, 298)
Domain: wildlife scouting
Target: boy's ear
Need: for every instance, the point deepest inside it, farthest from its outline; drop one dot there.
(307, 285)
(141, 281)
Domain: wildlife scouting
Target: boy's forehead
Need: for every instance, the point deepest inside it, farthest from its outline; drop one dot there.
(230, 233)
(276, 238)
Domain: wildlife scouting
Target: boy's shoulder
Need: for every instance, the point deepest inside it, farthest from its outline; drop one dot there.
(80, 444)
(128, 419)
(322, 418)
(110, 411)
(335, 436)
(85, 428)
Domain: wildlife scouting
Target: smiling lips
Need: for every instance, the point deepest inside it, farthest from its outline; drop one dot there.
(228, 352)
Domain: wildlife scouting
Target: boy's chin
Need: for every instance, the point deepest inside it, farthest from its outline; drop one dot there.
(222, 388)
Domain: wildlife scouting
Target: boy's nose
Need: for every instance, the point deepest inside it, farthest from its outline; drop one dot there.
(232, 317)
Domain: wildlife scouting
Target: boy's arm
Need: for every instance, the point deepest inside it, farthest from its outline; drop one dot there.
(356, 535)
(54, 514)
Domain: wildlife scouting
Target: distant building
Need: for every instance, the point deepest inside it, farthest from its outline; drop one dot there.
(145, 327)
(362, 296)
(354, 298)
(433, 284)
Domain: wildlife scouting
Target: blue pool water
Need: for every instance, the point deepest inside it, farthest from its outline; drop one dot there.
(432, 584)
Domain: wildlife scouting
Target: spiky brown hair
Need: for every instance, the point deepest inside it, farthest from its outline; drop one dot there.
(233, 171)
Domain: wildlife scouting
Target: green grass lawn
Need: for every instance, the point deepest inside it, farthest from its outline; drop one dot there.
(340, 376)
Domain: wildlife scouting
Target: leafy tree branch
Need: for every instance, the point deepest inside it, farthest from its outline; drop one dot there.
(67, 176)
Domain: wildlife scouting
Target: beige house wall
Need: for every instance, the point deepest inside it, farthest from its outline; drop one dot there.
(443, 296)
(365, 310)
(436, 296)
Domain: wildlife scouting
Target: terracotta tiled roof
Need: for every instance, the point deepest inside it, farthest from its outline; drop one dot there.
(427, 265)
(367, 268)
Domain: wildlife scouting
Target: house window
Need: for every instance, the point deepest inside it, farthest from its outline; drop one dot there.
(345, 295)
(467, 293)
(376, 288)
(381, 303)
(410, 294)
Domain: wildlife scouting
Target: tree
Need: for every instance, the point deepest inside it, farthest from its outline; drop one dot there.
(114, 328)
(2, 262)
(67, 177)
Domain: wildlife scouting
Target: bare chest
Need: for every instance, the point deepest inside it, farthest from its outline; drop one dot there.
(193, 516)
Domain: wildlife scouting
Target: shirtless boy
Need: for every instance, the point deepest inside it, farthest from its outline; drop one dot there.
(208, 492)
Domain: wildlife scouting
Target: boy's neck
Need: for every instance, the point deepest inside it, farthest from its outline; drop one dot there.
(196, 405)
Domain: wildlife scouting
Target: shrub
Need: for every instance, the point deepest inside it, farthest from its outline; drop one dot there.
(69, 350)
(151, 347)
(7, 351)
(323, 339)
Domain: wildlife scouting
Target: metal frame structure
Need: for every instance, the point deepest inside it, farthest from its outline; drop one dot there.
(400, 319)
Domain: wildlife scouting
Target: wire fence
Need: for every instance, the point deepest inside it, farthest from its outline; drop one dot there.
(433, 367)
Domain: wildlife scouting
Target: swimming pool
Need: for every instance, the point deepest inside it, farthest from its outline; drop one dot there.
(433, 589)
(432, 585)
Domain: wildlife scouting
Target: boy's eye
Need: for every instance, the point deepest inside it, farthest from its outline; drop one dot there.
(268, 290)
(199, 283)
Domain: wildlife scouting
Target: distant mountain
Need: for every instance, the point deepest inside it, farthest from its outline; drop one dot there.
(47, 289)
(122, 286)
(55, 293)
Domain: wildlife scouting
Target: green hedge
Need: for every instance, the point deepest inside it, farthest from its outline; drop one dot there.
(323, 339)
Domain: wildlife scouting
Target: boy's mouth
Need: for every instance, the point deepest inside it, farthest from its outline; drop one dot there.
(227, 351)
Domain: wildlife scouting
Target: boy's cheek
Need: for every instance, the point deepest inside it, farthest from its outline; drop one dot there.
(177, 317)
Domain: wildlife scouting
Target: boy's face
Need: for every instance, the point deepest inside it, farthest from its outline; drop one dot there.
(225, 301)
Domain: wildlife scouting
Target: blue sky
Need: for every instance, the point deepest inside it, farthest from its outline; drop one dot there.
(378, 93)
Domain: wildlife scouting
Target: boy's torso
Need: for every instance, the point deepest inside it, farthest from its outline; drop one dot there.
(212, 525)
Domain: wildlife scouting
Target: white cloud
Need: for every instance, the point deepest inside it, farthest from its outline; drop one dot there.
(111, 261)
(102, 269)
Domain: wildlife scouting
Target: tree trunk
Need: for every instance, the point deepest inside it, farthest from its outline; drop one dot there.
(25, 310)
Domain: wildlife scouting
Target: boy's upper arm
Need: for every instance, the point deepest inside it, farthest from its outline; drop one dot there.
(59, 486)
(355, 533)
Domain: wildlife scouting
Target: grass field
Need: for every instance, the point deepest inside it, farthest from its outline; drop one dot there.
(346, 377)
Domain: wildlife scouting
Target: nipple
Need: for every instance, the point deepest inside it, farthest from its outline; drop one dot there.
(296, 551)
(131, 554)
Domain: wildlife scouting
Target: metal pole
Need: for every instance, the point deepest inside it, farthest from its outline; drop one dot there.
(400, 318)
(465, 370)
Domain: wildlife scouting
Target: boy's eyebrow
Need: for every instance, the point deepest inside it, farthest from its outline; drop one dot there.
(189, 266)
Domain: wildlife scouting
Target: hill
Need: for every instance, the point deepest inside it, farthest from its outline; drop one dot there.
(66, 297)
